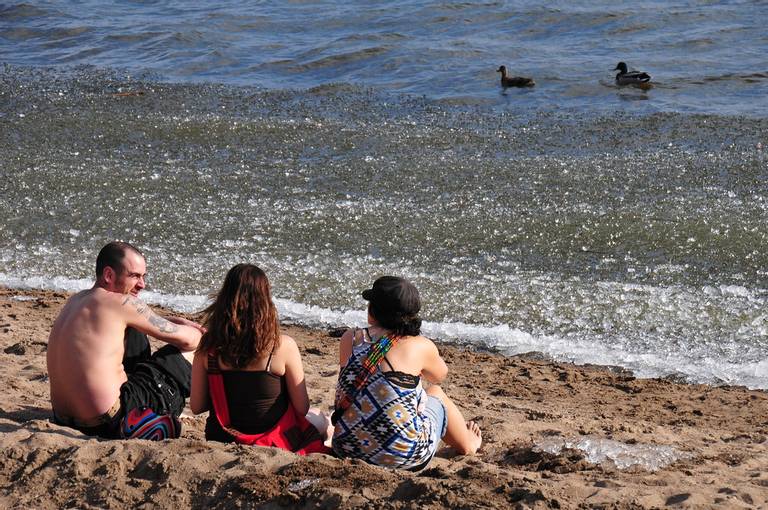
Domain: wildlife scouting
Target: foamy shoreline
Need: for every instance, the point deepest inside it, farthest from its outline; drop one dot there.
(502, 338)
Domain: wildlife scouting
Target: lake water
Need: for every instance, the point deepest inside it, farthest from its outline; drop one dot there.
(331, 144)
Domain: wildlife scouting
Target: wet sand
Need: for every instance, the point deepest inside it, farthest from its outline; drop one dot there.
(719, 434)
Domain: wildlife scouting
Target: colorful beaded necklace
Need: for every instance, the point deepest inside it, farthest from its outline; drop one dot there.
(372, 359)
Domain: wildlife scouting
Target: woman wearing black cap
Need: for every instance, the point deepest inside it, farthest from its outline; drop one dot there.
(383, 415)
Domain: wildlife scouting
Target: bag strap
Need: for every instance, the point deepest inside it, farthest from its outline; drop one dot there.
(292, 431)
(368, 366)
(218, 395)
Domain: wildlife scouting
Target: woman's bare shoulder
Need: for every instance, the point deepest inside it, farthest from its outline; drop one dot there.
(287, 344)
(419, 340)
(416, 345)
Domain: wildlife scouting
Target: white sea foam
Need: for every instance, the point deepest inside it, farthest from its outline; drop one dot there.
(317, 316)
(58, 283)
(182, 303)
(580, 348)
(599, 450)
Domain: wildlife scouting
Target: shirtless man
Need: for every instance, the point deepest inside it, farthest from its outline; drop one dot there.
(99, 361)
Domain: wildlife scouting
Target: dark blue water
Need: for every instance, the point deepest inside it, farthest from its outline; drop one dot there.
(331, 144)
(706, 57)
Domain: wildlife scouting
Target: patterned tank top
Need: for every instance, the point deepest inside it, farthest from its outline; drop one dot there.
(384, 425)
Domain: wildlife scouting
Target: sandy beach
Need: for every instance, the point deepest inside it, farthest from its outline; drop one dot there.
(528, 408)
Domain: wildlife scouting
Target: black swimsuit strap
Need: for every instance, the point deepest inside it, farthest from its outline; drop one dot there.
(213, 362)
(269, 361)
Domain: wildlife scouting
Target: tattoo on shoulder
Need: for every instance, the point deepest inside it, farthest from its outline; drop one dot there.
(138, 304)
(163, 325)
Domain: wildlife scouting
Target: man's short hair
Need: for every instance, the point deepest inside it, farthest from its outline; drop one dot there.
(112, 255)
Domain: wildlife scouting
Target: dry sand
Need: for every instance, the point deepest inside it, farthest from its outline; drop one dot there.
(519, 402)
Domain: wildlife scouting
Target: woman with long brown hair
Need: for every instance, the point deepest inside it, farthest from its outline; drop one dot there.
(249, 375)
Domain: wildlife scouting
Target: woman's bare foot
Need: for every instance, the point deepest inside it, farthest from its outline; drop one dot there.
(475, 437)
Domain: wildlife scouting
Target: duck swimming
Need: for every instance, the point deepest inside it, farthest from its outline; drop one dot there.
(514, 81)
(626, 77)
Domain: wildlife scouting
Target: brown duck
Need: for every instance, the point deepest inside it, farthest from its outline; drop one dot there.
(627, 77)
(514, 81)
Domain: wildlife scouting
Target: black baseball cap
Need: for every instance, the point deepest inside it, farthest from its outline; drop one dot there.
(394, 294)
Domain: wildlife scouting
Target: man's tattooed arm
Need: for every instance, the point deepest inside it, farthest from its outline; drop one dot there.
(164, 325)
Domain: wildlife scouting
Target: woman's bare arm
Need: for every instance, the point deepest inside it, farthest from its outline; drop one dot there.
(294, 375)
(435, 370)
(345, 346)
(199, 400)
